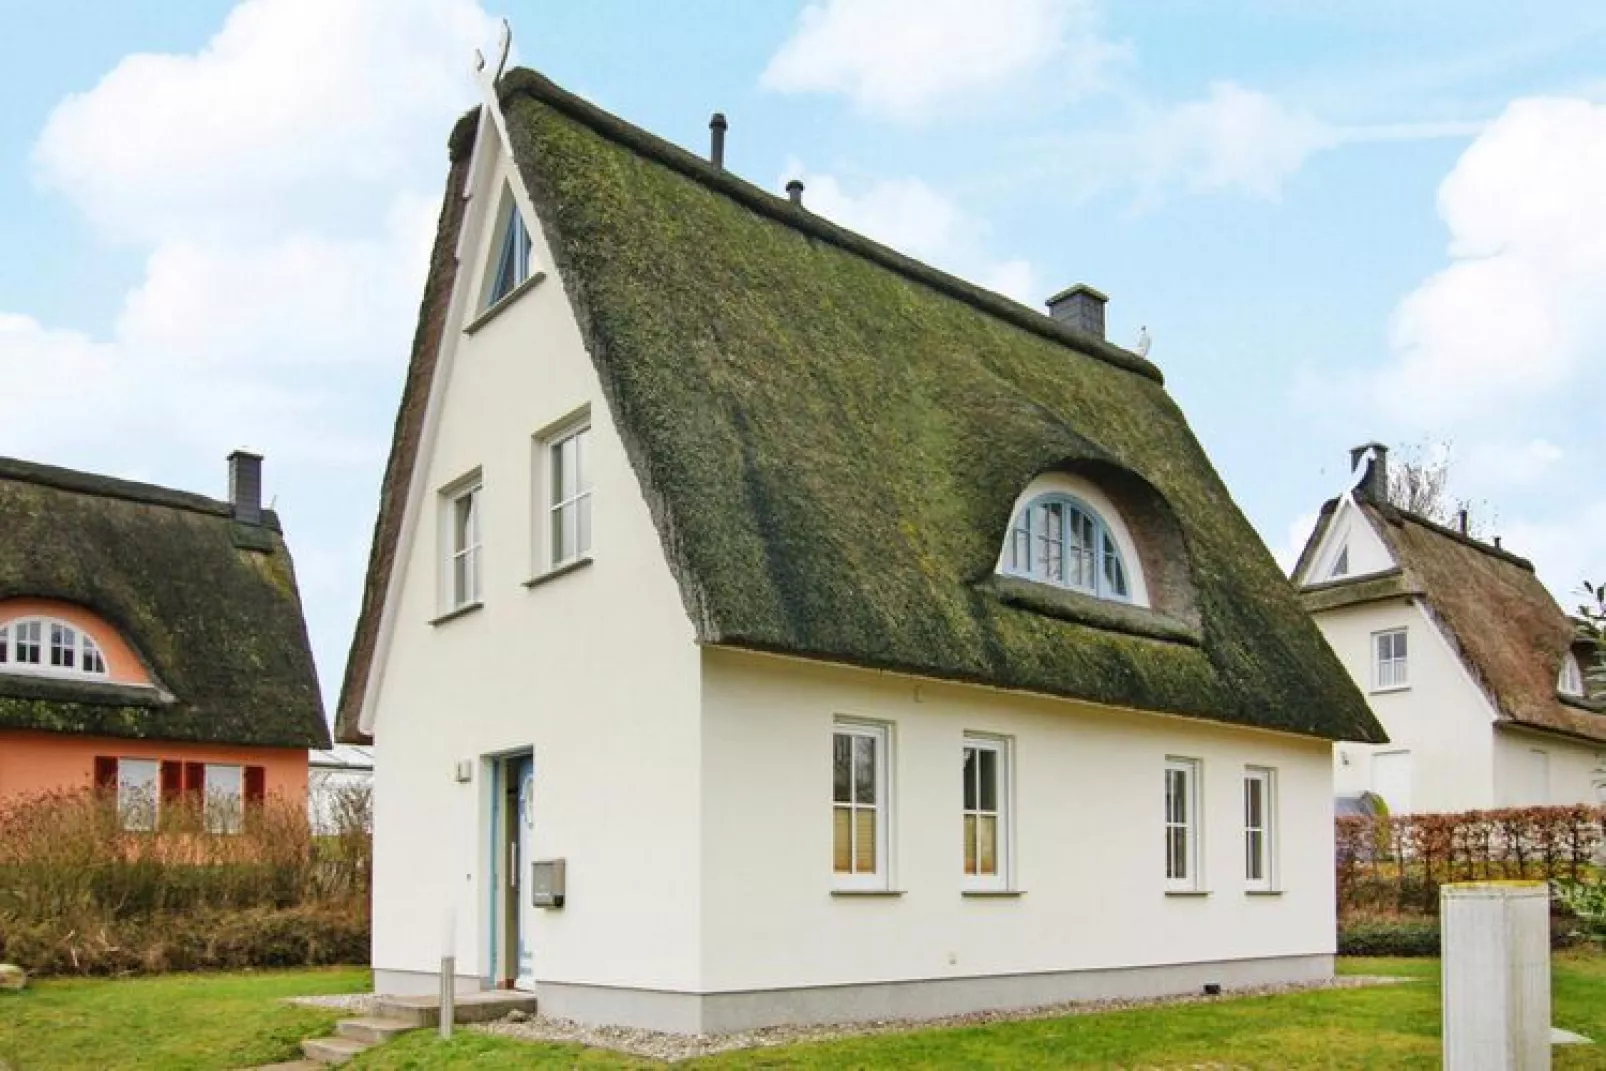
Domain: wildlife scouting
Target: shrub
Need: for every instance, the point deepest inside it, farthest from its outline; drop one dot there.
(1389, 937)
(80, 895)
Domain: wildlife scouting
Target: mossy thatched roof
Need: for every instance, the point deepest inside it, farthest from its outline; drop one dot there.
(831, 436)
(1491, 606)
(209, 604)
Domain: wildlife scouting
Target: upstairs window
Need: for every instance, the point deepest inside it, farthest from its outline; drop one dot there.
(1062, 541)
(1391, 669)
(50, 648)
(1571, 682)
(1340, 564)
(512, 264)
(460, 522)
(569, 478)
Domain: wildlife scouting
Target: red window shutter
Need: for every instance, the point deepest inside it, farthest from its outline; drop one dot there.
(195, 778)
(256, 784)
(105, 773)
(172, 781)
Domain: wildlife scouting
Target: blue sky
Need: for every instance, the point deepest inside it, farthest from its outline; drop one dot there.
(1338, 222)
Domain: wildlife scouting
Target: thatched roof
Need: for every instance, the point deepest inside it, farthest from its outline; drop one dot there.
(1488, 603)
(831, 436)
(207, 602)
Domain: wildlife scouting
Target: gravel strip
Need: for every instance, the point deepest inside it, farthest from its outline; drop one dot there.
(673, 1047)
(357, 1003)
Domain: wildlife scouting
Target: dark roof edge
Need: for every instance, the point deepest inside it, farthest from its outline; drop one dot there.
(780, 209)
(90, 483)
(1509, 723)
(1395, 515)
(1352, 581)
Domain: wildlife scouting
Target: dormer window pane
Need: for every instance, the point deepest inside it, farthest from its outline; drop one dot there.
(29, 647)
(63, 646)
(1059, 541)
(1572, 677)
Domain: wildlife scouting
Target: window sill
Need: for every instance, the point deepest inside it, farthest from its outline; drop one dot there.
(507, 299)
(870, 893)
(1188, 893)
(461, 611)
(1263, 892)
(558, 570)
(1391, 688)
(1070, 605)
(992, 894)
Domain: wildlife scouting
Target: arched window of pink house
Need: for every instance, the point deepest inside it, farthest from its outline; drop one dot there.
(49, 647)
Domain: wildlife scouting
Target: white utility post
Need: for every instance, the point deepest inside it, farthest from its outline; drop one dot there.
(449, 973)
(1495, 939)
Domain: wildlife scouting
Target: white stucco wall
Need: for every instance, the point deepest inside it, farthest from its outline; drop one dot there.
(1443, 719)
(596, 670)
(1572, 770)
(1088, 813)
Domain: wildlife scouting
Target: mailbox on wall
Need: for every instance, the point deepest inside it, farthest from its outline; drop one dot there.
(546, 882)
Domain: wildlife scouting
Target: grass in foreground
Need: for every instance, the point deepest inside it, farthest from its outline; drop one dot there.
(1380, 1027)
(235, 1020)
(177, 1021)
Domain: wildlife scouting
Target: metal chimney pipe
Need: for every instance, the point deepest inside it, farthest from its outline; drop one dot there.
(1461, 521)
(794, 190)
(716, 138)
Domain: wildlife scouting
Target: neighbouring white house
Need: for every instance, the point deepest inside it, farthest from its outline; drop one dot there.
(762, 626)
(1474, 671)
(340, 783)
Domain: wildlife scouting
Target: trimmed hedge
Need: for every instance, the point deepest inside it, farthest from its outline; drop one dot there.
(1396, 937)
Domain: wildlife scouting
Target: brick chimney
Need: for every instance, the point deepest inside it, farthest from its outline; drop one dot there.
(1374, 482)
(1081, 308)
(245, 486)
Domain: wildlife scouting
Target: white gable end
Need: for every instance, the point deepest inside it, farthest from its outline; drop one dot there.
(1349, 548)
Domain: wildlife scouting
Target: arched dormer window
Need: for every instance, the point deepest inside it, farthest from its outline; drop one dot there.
(49, 647)
(1057, 538)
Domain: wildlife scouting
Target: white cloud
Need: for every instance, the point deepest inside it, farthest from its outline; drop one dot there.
(283, 182)
(1566, 549)
(1499, 464)
(916, 220)
(1517, 312)
(1232, 140)
(1293, 542)
(908, 59)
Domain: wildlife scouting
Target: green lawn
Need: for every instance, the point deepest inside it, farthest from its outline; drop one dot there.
(230, 1020)
(174, 1022)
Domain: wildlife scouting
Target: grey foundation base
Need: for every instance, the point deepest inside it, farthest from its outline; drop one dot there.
(930, 998)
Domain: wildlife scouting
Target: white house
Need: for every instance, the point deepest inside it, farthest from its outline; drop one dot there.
(861, 642)
(1474, 671)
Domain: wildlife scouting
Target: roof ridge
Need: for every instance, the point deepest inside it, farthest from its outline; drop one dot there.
(1397, 514)
(781, 209)
(93, 483)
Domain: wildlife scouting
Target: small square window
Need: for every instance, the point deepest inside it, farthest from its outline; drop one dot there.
(1389, 652)
(859, 805)
(1182, 825)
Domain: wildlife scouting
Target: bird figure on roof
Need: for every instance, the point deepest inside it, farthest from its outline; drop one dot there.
(1142, 347)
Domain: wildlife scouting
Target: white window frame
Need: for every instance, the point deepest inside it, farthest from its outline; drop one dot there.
(880, 879)
(42, 631)
(1192, 771)
(1266, 779)
(1399, 673)
(524, 263)
(1571, 681)
(470, 487)
(545, 511)
(1002, 812)
(223, 806)
(126, 789)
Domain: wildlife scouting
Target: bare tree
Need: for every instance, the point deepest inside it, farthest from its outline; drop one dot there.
(1419, 483)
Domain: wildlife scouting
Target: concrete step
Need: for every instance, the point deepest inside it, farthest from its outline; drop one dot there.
(332, 1050)
(372, 1030)
(471, 1007)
